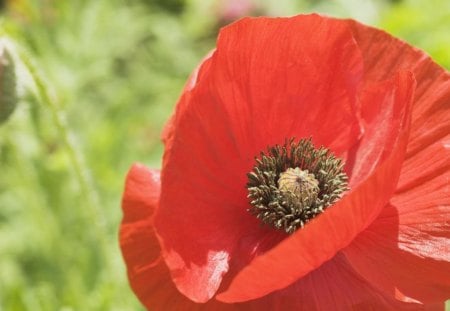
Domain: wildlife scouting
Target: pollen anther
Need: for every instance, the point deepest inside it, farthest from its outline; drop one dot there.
(293, 183)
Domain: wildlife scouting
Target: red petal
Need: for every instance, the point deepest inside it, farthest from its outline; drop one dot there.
(278, 77)
(422, 197)
(168, 129)
(333, 286)
(337, 227)
(269, 79)
(381, 119)
(383, 56)
(406, 256)
(416, 255)
(148, 274)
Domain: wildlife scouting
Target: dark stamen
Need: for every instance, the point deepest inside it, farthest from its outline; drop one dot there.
(293, 183)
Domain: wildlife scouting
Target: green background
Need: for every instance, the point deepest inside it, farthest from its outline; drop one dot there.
(105, 76)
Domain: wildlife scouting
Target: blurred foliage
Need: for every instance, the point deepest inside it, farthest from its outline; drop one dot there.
(8, 89)
(109, 73)
(425, 24)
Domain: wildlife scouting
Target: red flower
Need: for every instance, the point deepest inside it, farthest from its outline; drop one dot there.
(188, 239)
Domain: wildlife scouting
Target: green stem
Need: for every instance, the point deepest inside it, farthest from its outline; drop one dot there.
(81, 170)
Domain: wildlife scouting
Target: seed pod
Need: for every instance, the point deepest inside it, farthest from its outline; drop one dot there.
(300, 183)
(8, 89)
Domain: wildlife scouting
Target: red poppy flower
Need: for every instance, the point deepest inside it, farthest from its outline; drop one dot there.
(376, 103)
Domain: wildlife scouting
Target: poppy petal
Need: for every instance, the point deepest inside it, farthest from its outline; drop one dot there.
(333, 286)
(337, 227)
(138, 243)
(421, 200)
(258, 76)
(421, 238)
(379, 122)
(148, 274)
(406, 256)
(269, 70)
(190, 84)
(383, 56)
(149, 277)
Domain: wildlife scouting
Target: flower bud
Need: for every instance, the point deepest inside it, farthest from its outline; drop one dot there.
(8, 90)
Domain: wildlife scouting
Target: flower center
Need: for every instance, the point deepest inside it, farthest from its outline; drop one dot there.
(299, 183)
(293, 183)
